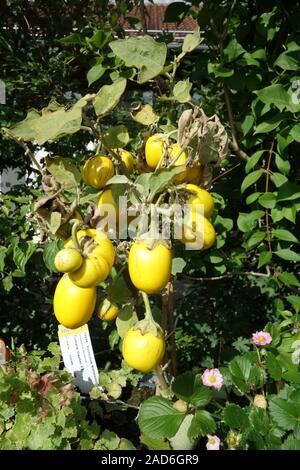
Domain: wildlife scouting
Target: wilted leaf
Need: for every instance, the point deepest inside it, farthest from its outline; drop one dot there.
(64, 172)
(145, 115)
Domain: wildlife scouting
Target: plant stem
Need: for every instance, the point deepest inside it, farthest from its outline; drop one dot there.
(163, 386)
(267, 190)
(148, 312)
(74, 235)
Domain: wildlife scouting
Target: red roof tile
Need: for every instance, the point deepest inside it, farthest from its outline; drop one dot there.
(155, 19)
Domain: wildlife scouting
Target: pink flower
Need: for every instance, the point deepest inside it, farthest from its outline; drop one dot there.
(212, 378)
(261, 338)
(213, 443)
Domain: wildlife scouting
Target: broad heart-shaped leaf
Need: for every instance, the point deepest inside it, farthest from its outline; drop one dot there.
(251, 179)
(286, 414)
(51, 123)
(145, 115)
(235, 417)
(181, 91)
(109, 96)
(160, 179)
(191, 41)
(276, 95)
(202, 424)
(158, 418)
(116, 136)
(126, 318)
(64, 172)
(22, 253)
(144, 53)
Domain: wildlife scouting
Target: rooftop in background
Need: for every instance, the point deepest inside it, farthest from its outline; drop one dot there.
(155, 21)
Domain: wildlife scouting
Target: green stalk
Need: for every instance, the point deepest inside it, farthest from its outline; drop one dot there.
(148, 313)
(74, 235)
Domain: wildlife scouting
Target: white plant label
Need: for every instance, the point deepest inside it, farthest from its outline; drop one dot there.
(78, 356)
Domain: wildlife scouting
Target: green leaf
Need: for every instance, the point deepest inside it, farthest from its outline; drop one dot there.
(154, 444)
(219, 71)
(7, 283)
(285, 414)
(254, 159)
(181, 91)
(95, 73)
(116, 136)
(64, 172)
(260, 421)
(268, 200)
(273, 367)
(109, 96)
(181, 440)
(22, 253)
(144, 53)
(240, 367)
(51, 123)
(175, 12)
(178, 265)
(49, 253)
(290, 213)
(295, 132)
(288, 192)
(289, 279)
(160, 179)
(275, 95)
(188, 387)
(246, 126)
(290, 58)
(251, 179)
(55, 221)
(235, 417)
(288, 255)
(145, 115)
(278, 179)
(283, 166)
(126, 318)
(233, 50)
(191, 41)
(283, 234)
(248, 221)
(73, 38)
(255, 239)
(291, 443)
(158, 418)
(202, 424)
(294, 300)
(269, 124)
(3, 252)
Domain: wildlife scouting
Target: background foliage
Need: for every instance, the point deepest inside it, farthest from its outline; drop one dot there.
(247, 73)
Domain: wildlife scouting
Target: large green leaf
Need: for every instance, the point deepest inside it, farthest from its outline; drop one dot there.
(251, 179)
(285, 413)
(126, 318)
(276, 95)
(202, 424)
(144, 53)
(191, 41)
(181, 91)
(64, 172)
(288, 255)
(235, 417)
(109, 96)
(290, 58)
(51, 123)
(116, 136)
(189, 388)
(22, 253)
(158, 418)
(273, 366)
(248, 221)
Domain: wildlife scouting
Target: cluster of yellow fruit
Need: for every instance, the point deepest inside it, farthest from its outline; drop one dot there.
(89, 255)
